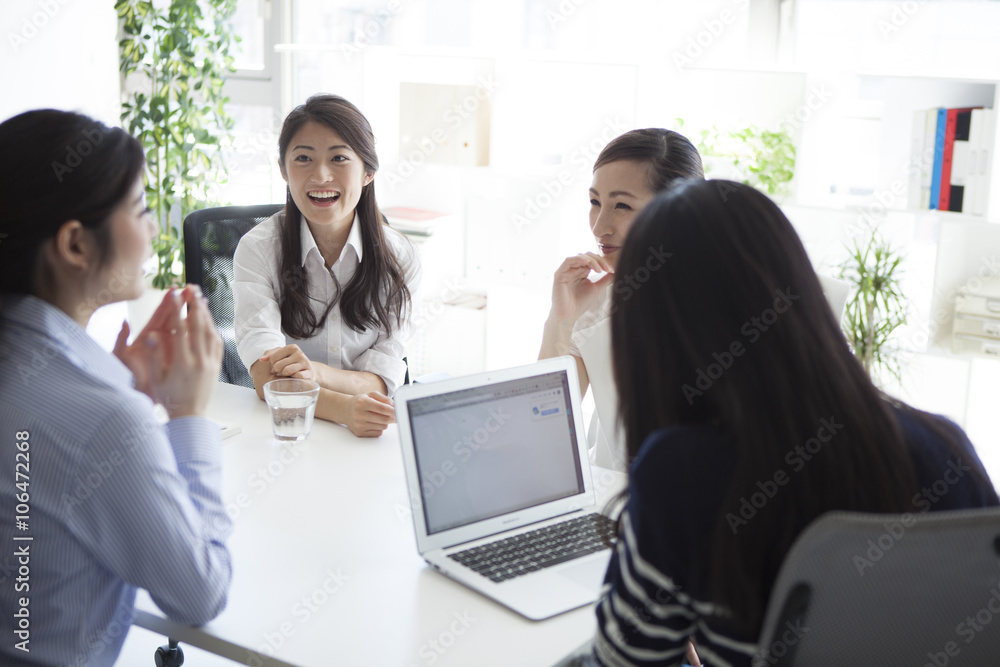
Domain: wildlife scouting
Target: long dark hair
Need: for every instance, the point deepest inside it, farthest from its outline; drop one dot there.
(739, 275)
(380, 271)
(59, 166)
(667, 154)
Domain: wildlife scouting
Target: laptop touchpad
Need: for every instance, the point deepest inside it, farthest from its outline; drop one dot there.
(589, 574)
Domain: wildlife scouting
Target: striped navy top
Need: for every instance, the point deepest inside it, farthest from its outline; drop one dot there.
(656, 592)
(107, 500)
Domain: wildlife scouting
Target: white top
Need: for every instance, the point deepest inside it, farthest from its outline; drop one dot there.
(591, 341)
(258, 317)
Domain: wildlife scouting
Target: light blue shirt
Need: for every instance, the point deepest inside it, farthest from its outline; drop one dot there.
(115, 501)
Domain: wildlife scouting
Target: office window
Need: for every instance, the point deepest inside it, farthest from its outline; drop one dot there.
(248, 21)
(252, 158)
(944, 38)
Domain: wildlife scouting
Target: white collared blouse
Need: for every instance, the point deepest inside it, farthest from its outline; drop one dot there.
(256, 290)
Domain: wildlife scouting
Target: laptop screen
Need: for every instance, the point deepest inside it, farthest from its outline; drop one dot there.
(494, 449)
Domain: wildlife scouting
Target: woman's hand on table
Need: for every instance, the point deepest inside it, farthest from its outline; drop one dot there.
(369, 414)
(290, 361)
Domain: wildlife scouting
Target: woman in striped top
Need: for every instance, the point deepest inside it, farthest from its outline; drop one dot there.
(747, 417)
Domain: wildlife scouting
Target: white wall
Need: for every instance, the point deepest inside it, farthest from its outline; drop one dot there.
(61, 54)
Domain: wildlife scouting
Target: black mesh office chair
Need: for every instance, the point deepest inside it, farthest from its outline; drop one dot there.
(210, 239)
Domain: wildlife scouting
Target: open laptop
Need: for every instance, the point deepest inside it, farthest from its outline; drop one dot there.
(495, 465)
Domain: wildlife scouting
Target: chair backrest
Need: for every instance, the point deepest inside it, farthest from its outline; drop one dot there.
(210, 239)
(836, 291)
(888, 589)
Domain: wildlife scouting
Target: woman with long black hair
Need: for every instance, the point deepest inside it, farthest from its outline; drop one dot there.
(628, 173)
(324, 289)
(108, 499)
(747, 417)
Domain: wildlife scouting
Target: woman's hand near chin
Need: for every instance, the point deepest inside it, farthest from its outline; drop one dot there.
(573, 293)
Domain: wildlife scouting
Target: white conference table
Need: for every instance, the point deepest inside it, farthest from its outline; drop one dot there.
(325, 566)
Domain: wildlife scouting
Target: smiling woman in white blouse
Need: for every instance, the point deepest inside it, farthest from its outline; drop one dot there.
(324, 289)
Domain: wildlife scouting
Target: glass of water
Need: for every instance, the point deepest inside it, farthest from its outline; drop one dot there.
(293, 404)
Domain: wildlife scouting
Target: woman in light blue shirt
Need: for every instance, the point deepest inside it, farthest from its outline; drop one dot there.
(107, 500)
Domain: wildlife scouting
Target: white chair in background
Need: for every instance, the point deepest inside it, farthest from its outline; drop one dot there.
(836, 291)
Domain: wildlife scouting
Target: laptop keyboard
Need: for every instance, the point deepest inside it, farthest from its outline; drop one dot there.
(535, 550)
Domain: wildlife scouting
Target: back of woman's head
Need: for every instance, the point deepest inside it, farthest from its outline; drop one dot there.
(59, 166)
(668, 155)
(719, 319)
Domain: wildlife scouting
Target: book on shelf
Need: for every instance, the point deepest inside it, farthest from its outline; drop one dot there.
(922, 158)
(956, 129)
(983, 124)
(939, 125)
(951, 148)
(413, 221)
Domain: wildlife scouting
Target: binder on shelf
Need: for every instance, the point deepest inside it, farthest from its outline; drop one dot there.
(919, 169)
(982, 157)
(952, 124)
(961, 163)
(939, 130)
(972, 179)
(925, 157)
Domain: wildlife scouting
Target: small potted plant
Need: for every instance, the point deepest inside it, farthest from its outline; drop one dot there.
(876, 307)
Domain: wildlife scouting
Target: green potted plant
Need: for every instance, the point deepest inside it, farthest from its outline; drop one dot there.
(174, 56)
(876, 307)
(764, 159)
